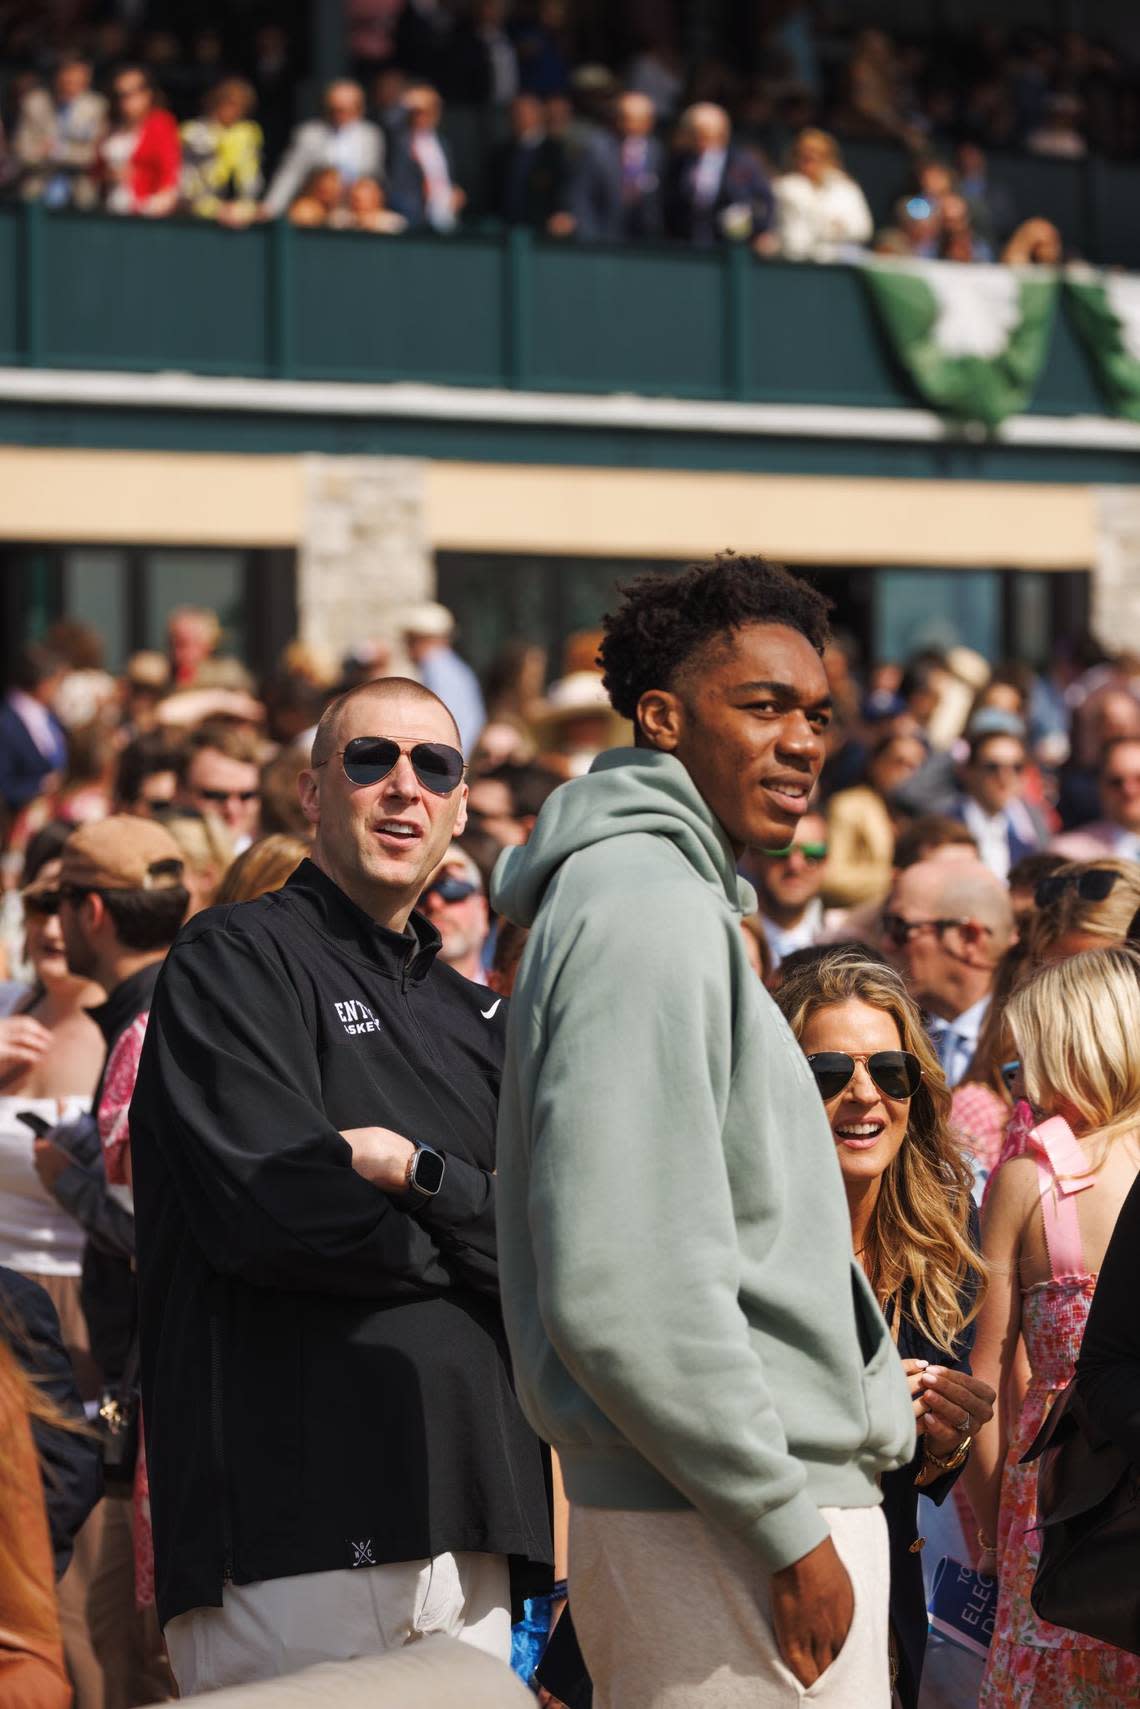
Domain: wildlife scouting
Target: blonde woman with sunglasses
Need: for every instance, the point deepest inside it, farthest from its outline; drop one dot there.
(913, 1229)
(1048, 1219)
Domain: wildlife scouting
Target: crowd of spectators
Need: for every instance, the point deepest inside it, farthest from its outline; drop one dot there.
(583, 132)
(971, 822)
(1002, 760)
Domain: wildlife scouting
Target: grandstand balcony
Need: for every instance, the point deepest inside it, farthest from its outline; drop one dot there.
(537, 417)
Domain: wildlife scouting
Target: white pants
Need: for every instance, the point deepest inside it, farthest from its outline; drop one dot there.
(674, 1613)
(279, 1625)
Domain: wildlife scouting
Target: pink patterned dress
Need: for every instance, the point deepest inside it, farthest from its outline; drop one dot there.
(113, 1117)
(1032, 1664)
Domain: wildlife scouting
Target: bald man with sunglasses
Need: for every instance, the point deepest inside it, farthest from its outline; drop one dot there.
(338, 1464)
(946, 925)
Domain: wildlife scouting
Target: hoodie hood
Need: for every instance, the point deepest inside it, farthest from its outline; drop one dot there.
(628, 791)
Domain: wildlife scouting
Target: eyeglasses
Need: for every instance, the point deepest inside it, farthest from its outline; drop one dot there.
(813, 852)
(219, 797)
(1091, 886)
(367, 759)
(899, 931)
(896, 1073)
(450, 889)
(994, 768)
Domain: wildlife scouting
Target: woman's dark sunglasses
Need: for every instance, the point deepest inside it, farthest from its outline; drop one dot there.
(366, 759)
(44, 903)
(1092, 886)
(896, 1073)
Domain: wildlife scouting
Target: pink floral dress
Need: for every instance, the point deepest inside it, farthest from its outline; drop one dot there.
(113, 1117)
(1032, 1664)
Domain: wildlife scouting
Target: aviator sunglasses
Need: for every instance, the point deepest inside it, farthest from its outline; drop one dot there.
(450, 889)
(1091, 886)
(366, 759)
(896, 1073)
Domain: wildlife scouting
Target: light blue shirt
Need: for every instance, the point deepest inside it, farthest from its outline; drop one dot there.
(445, 673)
(956, 1041)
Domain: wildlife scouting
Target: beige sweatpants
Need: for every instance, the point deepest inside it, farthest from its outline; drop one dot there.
(673, 1613)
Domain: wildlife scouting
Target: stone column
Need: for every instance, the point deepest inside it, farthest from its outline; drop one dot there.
(1116, 575)
(364, 552)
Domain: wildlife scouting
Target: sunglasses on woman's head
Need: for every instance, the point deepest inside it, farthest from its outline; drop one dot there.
(1092, 886)
(367, 759)
(896, 1073)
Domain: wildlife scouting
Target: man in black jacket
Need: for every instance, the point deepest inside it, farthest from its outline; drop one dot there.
(528, 171)
(326, 1385)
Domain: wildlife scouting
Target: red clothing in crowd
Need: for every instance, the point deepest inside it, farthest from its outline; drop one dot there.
(156, 162)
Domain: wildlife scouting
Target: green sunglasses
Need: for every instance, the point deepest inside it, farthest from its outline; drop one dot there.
(815, 852)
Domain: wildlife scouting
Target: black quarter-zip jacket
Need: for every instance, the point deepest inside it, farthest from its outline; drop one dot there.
(325, 1376)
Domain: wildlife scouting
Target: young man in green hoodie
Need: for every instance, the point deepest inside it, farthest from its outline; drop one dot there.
(688, 1325)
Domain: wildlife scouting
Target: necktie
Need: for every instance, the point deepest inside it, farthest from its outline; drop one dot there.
(946, 1044)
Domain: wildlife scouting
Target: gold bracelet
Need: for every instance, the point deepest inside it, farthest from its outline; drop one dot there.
(952, 1461)
(985, 1545)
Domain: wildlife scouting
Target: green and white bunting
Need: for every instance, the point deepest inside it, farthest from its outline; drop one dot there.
(973, 338)
(1105, 309)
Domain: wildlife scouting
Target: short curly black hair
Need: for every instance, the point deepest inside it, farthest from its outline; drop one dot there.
(664, 620)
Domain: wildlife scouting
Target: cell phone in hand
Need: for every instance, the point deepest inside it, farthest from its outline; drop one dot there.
(32, 1119)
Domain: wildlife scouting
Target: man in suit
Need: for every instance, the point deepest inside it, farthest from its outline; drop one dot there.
(946, 925)
(33, 747)
(1118, 831)
(57, 138)
(616, 183)
(529, 169)
(343, 140)
(716, 191)
(420, 182)
(990, 802)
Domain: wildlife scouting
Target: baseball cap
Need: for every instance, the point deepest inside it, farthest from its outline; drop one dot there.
(121, 853)
(429, 618)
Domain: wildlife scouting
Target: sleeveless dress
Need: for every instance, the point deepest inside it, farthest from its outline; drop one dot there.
(1032, 1664)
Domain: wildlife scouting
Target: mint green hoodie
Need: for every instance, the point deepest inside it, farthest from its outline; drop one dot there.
(675, 1252)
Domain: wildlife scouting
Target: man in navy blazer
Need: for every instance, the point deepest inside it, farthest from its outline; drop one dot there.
(991, 801)
(615, 191)
(716, 191)
(421, 183)
(33, 747)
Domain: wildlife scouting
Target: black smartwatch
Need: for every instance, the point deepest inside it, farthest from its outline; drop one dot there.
(425, 1171)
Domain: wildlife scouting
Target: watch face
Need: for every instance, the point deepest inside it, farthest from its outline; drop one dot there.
(428, 1171)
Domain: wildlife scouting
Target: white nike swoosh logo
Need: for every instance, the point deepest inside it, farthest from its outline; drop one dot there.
(487, 1013)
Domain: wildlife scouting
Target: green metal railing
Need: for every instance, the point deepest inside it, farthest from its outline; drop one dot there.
(500, 309)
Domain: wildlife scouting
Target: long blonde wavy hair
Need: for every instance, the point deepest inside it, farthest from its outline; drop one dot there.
(919, 1232)
(1076, 1024)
